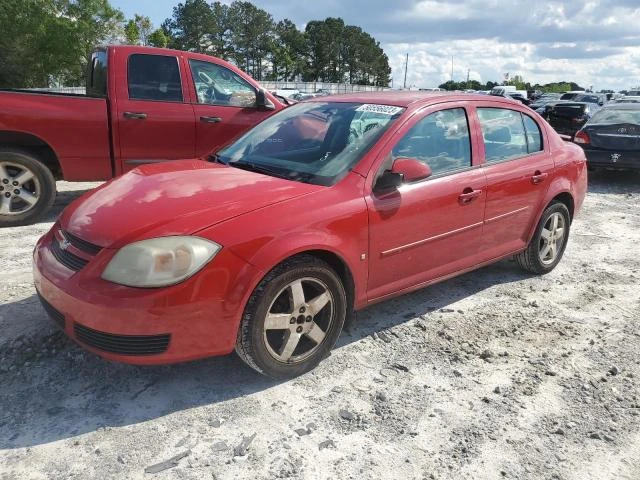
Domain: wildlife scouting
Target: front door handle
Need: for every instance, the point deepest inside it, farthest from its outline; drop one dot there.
(210, 119)
(538, 177)
(468, 195)
(135, 115)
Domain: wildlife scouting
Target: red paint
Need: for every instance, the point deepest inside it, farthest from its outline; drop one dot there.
(411, 169)
(391, 242)
(79, 129)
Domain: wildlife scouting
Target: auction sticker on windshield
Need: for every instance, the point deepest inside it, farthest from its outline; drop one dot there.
(384, 109)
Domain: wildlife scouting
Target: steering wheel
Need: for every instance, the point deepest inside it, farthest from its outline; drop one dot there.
(205, 77)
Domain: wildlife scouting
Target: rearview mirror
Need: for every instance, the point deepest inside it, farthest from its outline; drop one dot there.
(263, 102)
(411, 169)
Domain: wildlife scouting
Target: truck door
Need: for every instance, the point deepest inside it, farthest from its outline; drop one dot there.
(155, 120)
(224, 105)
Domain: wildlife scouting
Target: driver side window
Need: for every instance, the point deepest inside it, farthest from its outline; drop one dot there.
(217, 85)
(441, 140)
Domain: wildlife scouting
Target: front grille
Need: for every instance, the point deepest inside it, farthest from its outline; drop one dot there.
(81, 244)
(54, 314)
(122, 344)
(68, 259)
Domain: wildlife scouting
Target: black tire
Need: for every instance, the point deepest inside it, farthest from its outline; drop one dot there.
(251, 344)
(45, 181)
(529, 259)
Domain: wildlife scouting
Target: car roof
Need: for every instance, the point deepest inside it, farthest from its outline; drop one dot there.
(622, 106)
(410, 98)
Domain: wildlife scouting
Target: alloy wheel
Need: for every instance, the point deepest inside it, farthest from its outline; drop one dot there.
(552, 238)
(298, 320)
(19, 189)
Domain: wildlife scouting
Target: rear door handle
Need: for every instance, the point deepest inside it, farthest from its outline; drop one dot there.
(538, 177)
(468, 195)
(135, 115)
(210, 119)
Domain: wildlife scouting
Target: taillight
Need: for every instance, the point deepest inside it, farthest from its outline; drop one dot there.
(582, 137)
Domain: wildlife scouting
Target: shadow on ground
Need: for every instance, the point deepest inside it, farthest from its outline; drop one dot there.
(71, 392)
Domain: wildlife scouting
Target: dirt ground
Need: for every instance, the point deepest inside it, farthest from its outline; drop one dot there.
(494, 374)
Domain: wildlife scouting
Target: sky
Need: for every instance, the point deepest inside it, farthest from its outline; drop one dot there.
(595, 43)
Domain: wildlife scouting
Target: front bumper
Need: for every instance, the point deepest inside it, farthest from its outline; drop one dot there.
(194, 319)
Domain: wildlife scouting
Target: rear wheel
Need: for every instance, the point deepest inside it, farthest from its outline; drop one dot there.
(293, 318)
(549, 241)
(27, 188)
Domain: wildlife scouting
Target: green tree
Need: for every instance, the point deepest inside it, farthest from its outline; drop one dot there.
(288, 56)
(45, 42)
(157, 38)
(190, 26)
(131, 33)
(252, 36)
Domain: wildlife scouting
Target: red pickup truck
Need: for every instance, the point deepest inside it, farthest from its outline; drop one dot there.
(142, 105)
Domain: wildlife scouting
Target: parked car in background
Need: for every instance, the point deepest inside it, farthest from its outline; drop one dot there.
(143, 105)
(611, 138)
(628, 99)
(569, 116)
(268, 248)
(545, 99)
(519, 97)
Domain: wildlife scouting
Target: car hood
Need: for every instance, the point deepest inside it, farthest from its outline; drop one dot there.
(173, 198)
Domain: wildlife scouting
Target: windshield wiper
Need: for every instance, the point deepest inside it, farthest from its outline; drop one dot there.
(252, 167)
(215, 158)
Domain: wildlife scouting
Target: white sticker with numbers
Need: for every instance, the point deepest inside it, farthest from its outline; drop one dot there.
(382, 109)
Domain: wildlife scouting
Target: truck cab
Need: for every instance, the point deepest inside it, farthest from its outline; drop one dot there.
(142, 105)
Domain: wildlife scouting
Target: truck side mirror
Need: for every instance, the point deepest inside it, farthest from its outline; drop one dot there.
(263, 102)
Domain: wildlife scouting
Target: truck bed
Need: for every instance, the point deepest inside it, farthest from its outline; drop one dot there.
(76, 127)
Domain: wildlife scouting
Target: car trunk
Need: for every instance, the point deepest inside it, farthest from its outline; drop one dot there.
(619, 136)
(567, 117)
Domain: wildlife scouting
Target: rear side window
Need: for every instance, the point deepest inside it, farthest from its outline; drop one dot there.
(97, 78)
(441, 140)
(503, 133)
(534, 137)
(154, 77)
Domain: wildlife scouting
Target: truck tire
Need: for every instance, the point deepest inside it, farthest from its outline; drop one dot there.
(27, 188)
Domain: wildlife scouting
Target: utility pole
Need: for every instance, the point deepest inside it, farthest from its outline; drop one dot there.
(468, 70)
(451, 68)
(406, 64)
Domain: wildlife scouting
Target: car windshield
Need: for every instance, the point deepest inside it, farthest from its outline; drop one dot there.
(613, 116)
(313, 142)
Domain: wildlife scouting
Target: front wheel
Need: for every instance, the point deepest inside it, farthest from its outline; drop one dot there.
(27, 188)
(293, 318)
(549, 241)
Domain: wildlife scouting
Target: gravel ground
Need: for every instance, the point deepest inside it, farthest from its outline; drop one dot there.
(494, 374)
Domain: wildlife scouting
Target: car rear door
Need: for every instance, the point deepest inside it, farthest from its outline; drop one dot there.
(431, 228)
(518, 167)
(224, 104)
(155, 119)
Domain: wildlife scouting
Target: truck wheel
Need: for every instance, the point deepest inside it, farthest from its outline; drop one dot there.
(293, 318)
(27, 188)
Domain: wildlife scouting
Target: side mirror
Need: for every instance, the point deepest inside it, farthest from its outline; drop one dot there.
(411, 169)
(263, 102)
(404, 170)
(388, 181)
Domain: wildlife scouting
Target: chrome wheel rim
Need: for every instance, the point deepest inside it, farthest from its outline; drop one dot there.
(19, 188)
(298, 320)
(552, 238)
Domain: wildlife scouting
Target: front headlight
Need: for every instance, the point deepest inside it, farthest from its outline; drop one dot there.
(159, 262)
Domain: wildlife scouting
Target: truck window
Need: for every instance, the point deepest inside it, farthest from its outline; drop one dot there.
(154, 77)
(97, 78)
(217, 85)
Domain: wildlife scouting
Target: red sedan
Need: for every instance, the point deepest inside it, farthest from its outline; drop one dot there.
(326, 207)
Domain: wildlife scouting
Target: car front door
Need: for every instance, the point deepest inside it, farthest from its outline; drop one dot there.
(224, 105)
(518, 166)
(155, 122)
(428, 229)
